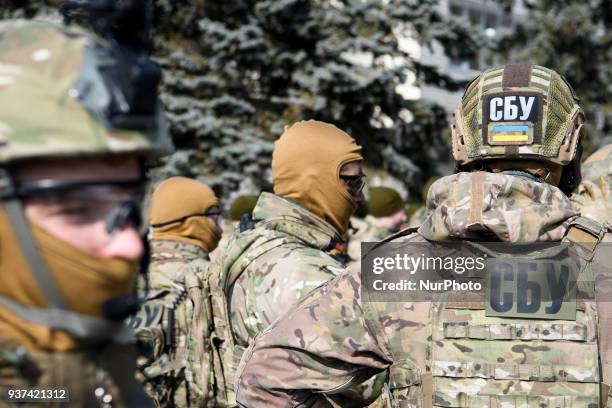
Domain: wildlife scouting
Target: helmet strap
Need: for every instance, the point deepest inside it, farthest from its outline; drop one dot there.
(21, 229)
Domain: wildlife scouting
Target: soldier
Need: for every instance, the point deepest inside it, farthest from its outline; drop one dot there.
(172, 324)
(78, 115)
(593, 197)
(386, 214)
(297, 232)
(512, 188)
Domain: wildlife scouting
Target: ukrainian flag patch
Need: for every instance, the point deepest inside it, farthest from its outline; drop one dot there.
(510, 133)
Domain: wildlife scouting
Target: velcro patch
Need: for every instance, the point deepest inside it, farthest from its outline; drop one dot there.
(509, 133)
(149, 314)
(512, 119)
(531, 288)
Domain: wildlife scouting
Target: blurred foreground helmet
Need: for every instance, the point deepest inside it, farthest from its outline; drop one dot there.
(64, 92)
(517, 113)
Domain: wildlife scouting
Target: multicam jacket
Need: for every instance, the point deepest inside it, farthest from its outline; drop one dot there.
(171, 326)
(366, 231)
(266, 269)
(594, 194)
(418, 218)
(435, 354)
(285, 258)
(228, 227)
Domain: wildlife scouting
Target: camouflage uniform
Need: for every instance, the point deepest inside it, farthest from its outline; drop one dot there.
(284, 257)
(593, 197)
(334, 338)
(264, 269)
(228, 228)
(453, 354)
(177, 286)
(367, 231)
(174, 324)
(418, 217)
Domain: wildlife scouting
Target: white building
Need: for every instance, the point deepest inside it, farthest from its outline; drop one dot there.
(491, 18)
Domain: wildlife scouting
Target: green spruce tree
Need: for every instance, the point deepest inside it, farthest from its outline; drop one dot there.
(237, 71)
(572, 37)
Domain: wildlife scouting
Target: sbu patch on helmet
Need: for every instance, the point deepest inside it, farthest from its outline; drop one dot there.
(512, 118)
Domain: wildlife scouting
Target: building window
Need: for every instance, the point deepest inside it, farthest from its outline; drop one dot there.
(475, 16)
(491, 20)
(456, 10)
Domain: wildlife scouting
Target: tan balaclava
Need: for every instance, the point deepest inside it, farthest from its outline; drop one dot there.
(178, 206)
(85, 281)
(306, 166)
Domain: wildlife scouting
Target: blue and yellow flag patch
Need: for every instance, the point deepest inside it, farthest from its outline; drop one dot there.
(510, 133)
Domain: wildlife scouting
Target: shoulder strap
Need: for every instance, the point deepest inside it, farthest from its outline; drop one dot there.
(585, 232)
(234, 272)
(37, 265)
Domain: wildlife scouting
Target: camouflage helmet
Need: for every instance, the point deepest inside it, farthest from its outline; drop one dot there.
(518, 111)
(65, 92)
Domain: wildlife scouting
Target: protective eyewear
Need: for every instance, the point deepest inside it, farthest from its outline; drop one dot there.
(210, 213)
(354, 183)
(118, 202)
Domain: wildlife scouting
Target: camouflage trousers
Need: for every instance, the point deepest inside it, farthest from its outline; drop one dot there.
(100, 377)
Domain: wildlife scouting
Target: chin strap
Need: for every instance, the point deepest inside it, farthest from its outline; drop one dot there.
(38, 267)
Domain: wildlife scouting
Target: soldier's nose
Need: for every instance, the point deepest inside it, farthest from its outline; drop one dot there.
(124, 244)
(359, 198)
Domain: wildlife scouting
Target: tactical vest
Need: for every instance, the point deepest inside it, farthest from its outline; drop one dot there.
(227, 350)
(474, 360)
(201, 360)
(172, 328)
(245, 247)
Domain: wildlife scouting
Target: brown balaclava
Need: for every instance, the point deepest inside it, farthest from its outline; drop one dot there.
(306, 166)
(178, 206)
